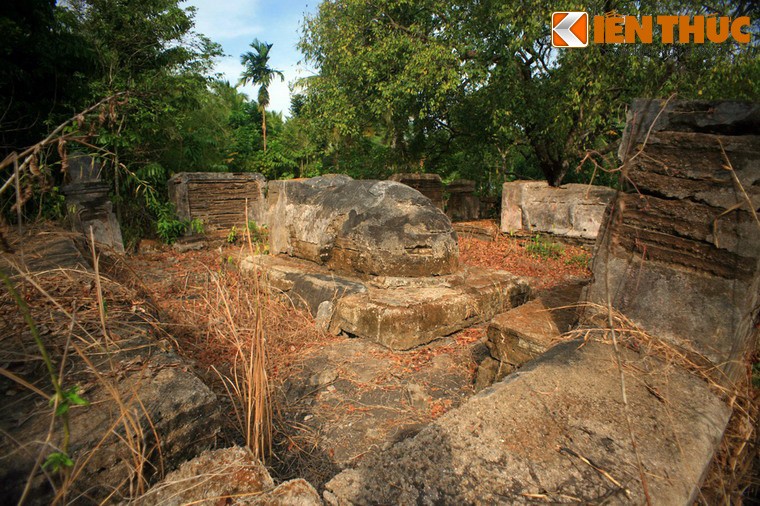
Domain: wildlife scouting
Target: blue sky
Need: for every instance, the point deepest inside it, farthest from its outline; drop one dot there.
(235, 23)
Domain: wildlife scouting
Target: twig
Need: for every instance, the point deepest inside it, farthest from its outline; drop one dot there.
(98, 288)
(730, 168)
(568, 451)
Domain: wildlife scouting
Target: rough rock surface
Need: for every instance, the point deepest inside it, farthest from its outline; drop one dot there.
(404, 317)
(681, 250)
(554, 431)
(525, 332)
(308, 285)
(226, 476)
(399, 313)
(572, 210)
(353, 398)
(369, 227)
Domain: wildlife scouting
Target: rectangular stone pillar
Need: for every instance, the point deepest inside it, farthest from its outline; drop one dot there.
(680, 250)
(218, 198)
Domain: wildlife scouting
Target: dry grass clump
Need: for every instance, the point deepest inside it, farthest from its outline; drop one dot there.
(251, 340)
(237, 319)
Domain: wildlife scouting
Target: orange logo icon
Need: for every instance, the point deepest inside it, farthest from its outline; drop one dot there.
(569, 29)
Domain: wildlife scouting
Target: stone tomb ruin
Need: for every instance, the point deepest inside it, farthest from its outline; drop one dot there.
(375, 259)
(679, 255)
(572, 211)
(217, 199)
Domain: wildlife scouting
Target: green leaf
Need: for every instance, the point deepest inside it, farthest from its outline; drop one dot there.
(72, 397)
(56, 461)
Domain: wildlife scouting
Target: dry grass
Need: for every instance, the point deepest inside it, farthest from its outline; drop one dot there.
(73, 310)
(248, 342)
(241, 314)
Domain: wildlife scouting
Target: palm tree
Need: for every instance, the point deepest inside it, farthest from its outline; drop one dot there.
(258, 71)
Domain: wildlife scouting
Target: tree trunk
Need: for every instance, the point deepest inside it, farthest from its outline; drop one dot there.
(553, 167)
(264, 127)
(554, 171)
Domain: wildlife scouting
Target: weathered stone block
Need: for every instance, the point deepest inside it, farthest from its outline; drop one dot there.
(226, 476)
(546, 431)
(367, 227)
(218, 199)
(408, 316)
(463, 204)
(572, 210)
(399, 313)
(526, 332)
(681, 251)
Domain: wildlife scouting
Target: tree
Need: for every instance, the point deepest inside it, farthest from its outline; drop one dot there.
(258, 71)
(451, 83)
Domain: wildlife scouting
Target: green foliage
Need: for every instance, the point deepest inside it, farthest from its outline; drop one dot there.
(169, 229)
(579, 260)
(476, 89)
(259, 233)
(197, 227)
(541, 247)
(57, 462)
(232, 235)
(66, 399)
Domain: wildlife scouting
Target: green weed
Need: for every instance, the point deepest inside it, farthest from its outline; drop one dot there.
(540, 247)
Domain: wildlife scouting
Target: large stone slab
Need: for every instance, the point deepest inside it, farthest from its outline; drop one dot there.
(555, 431)
(404, 317)
(143, 397)
(368, 227)
(400, 313)
(680, 253)
(572, 210)
(305, 283)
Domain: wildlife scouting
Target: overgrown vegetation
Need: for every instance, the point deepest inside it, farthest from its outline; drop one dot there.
(456, 88)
